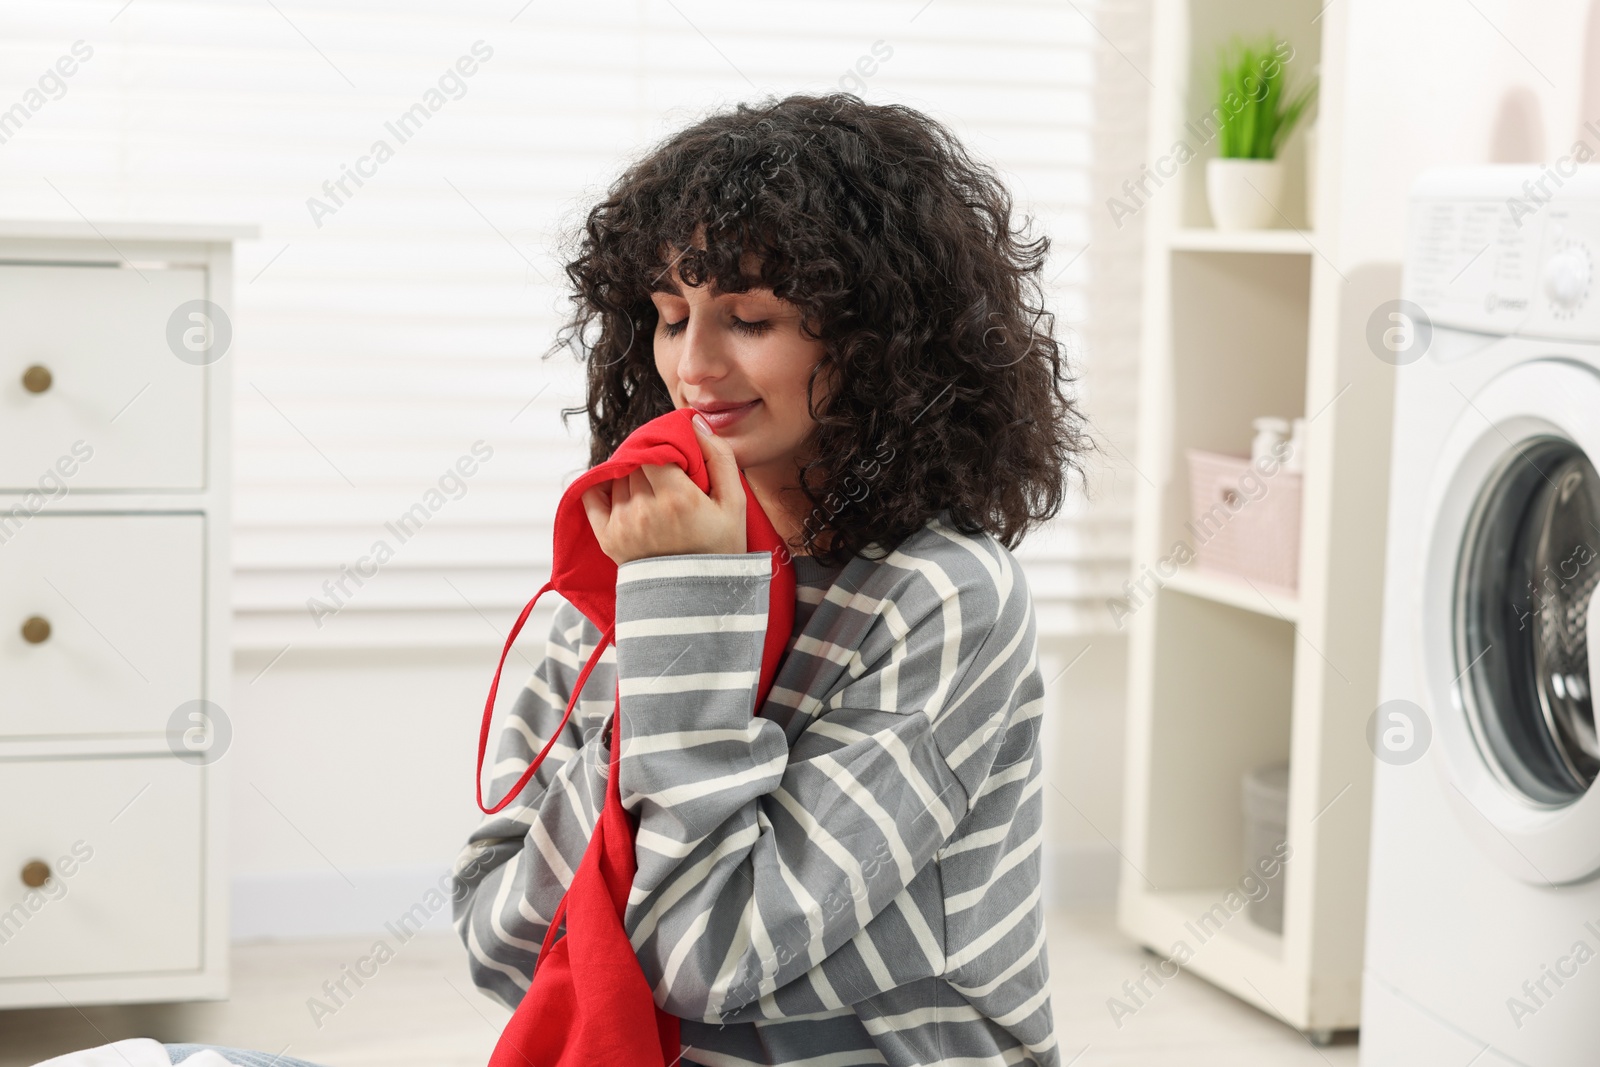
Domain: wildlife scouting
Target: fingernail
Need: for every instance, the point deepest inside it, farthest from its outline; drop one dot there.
(702, 425)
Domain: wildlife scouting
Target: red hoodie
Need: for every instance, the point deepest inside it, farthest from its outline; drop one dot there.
(589, 1002)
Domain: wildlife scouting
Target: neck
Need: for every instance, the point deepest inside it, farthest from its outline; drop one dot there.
(785, 506)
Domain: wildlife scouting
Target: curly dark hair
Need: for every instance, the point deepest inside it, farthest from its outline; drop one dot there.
(899, 250)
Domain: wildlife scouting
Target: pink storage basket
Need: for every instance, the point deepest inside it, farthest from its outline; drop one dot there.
(1244, 526)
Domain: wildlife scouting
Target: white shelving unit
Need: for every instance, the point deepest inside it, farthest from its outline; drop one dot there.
(1226, 675)
(116, 371)
(1236, 592)
(1272, 242)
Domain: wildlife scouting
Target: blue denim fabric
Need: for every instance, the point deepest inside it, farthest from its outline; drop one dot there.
(244, 1058)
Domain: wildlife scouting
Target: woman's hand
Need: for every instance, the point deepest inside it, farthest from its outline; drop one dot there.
(658, 511)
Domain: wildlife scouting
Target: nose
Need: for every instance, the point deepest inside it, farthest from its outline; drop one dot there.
(702, 354)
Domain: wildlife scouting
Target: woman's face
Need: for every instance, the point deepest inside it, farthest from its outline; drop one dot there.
(742, 351)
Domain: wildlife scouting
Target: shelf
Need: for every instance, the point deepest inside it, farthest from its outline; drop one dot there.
(1200, 917)
(1270, 242)
(1271, 600)
(1221, 681)
(1193, 904)
(1240, 957)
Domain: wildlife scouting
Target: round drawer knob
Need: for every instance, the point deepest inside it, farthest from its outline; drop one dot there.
(35, 873)
(37, 379)
(36, 630)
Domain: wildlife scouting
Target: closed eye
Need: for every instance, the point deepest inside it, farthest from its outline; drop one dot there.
(673, 329)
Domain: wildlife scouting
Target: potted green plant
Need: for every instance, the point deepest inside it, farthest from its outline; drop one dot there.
(1255, 114)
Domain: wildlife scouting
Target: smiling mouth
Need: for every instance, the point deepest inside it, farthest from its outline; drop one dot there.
(707, 409)
(727, 416)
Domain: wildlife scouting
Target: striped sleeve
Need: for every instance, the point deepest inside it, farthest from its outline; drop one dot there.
(773, 865)
(518, 863)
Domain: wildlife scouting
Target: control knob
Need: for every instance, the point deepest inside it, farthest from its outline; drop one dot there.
(1566, 279)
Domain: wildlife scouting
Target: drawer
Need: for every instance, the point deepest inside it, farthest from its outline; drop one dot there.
(115, 384)
(122, 841)
(122, 596)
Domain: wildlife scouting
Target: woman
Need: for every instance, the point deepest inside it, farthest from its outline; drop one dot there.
(852, 875)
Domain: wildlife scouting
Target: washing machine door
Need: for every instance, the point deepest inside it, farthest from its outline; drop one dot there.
(1513, 560)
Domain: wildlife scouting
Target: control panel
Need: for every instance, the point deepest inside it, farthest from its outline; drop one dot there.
(1511, 260)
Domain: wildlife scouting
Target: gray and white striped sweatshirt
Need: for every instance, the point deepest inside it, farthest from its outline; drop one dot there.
(851, 876)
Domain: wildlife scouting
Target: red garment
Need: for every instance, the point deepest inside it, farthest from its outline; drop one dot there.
(589, 1002)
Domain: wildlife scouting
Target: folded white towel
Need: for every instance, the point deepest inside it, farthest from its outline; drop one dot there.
(134, 1052)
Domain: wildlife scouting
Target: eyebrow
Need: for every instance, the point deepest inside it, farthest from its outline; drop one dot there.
(665, 284)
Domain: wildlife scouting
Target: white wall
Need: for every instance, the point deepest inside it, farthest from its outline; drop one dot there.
(351, 775)
(352, 778)
(357, 766)
(1427, 78)
(1082, 737)
(366, 757)
(376, 343)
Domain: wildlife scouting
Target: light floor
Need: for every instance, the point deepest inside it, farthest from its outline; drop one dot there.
(421, 1010)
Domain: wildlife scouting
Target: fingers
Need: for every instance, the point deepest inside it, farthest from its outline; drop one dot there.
(660, 477)
(723, 468)
(639, 483)
(597, 507)
(671, 478)
(600, 499)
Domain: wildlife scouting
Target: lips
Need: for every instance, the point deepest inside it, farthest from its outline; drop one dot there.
(721, 416)
(720, 405)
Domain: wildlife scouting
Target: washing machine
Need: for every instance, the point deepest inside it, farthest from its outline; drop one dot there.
(1483, 916)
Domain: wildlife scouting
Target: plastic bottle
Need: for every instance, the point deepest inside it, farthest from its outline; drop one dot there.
(1270, 430)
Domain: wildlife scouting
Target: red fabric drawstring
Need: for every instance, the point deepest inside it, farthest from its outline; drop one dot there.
(588, 1001)
(488, 708)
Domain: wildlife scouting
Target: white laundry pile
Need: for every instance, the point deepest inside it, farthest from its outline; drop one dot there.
(134, 1052)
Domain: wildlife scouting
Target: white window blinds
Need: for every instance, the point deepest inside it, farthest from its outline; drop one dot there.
(399, 451)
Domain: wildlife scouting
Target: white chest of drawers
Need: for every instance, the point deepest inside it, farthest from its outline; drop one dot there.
(116, 355)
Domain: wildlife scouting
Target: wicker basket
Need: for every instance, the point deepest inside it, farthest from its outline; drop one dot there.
(1243, 523)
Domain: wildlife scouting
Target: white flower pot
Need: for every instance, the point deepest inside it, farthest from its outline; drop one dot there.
(1244, 194)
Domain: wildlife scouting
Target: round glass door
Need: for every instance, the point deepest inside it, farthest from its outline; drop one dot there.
(1525, 580)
